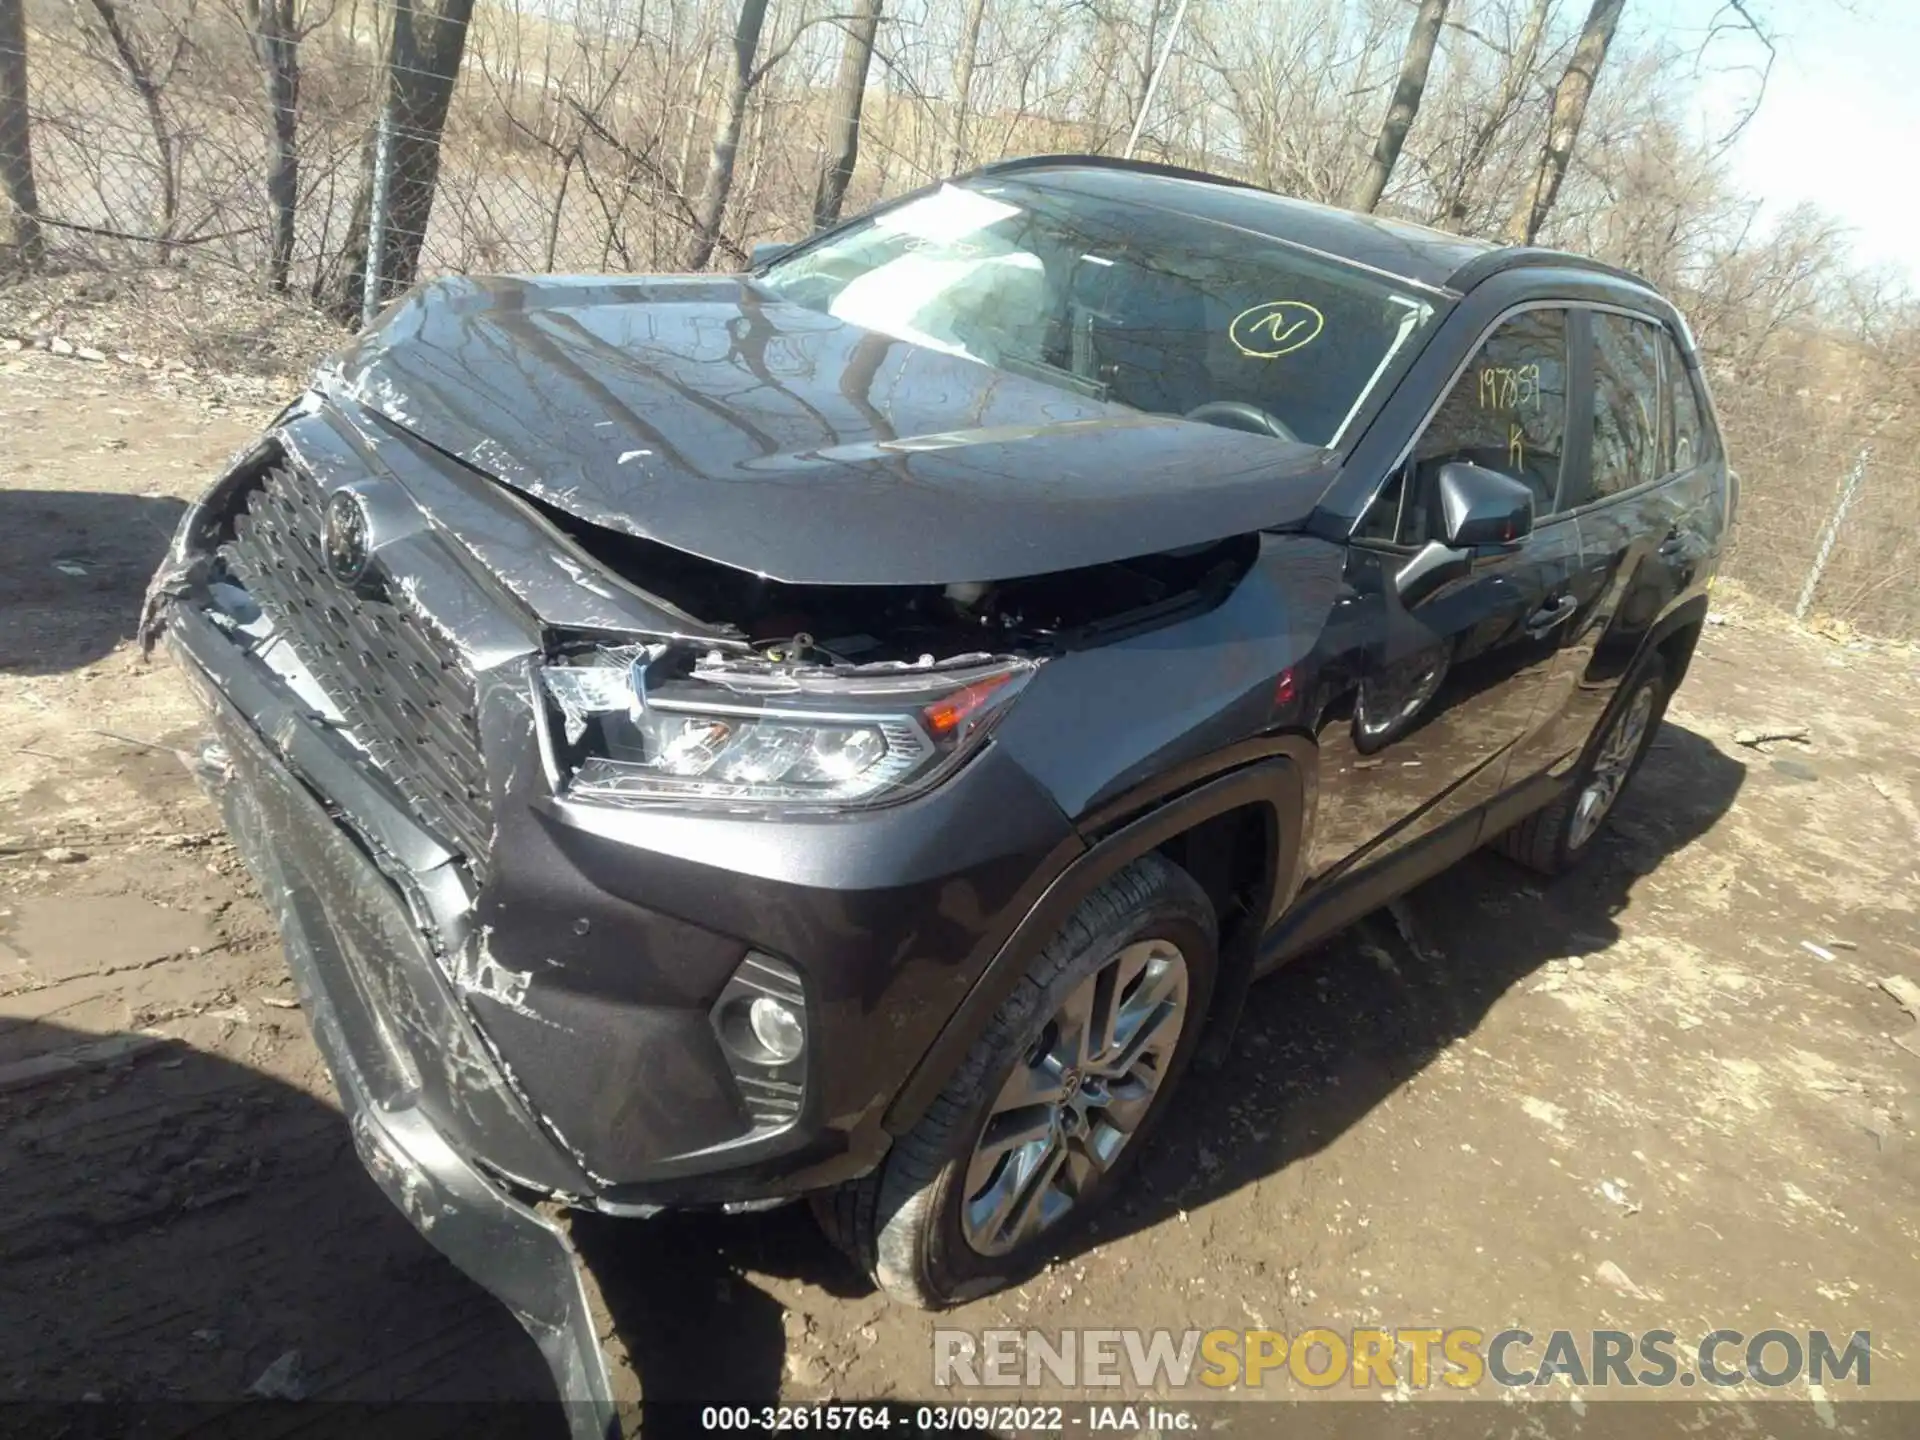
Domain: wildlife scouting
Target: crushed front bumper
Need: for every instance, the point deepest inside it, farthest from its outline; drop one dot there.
(516, 992)
(332, 903)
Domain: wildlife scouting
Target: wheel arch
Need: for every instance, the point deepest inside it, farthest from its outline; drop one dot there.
(1207, 829)
(1676, 634)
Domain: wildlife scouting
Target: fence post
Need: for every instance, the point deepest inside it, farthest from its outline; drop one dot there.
(375, 272)
(1832, 532)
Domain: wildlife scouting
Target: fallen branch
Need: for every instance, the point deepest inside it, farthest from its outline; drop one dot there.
(1905, 991)
(1779, 732)
(108, 233)
(1907, 994)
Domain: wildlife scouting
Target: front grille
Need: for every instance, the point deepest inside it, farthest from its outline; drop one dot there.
(407, 697)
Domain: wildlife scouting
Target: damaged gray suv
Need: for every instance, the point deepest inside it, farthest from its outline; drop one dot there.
(855, 729)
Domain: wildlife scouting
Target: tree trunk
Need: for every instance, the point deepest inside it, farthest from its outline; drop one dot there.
(277, 48)
(963, 64)
(1414, 65)
(1512, 86)
(140, 76)
(1563, 129)
(20, 235)
(423, 62)
(843, 124)
(712, 205)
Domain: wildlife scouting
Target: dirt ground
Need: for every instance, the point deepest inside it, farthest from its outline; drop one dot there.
(1457, 1114)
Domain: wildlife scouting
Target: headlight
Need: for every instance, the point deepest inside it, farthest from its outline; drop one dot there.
(649, 725)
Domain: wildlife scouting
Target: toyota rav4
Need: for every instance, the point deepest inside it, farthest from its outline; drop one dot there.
(855, 729)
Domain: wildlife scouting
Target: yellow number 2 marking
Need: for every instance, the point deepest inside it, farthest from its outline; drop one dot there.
(1275, 328)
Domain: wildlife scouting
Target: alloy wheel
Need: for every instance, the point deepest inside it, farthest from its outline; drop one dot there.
(1076, 1097)
(1611, 767)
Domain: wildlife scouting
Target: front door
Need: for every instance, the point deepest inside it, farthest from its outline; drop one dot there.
(1444, 687)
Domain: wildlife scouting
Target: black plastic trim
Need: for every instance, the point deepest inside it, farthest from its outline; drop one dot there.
(1280, 781)
(1111, 162)
(1523, 257)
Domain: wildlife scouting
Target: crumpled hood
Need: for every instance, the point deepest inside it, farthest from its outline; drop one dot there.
(710, 415)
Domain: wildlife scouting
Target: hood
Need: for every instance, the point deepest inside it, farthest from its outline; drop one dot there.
(710, 415)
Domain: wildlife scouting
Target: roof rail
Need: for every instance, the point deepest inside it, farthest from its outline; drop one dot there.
(1518, 257)
(1111, 162)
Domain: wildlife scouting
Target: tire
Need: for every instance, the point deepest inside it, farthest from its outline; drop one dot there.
(1553, 839)
(909, 1224)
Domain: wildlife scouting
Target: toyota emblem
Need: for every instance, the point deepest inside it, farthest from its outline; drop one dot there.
(344, 538)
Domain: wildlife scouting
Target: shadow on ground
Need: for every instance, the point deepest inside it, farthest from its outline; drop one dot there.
(74, 565)
(172, 1224)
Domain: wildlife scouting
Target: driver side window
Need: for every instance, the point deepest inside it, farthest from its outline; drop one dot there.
(1506, 412)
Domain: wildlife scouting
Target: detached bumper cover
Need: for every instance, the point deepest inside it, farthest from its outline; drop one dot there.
(330, 900)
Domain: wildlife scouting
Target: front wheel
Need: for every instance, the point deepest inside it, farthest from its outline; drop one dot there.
(1053, 1104)
(1552, 839)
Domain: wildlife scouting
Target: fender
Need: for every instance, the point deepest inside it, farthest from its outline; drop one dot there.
(1282, 781)
(1689, 612)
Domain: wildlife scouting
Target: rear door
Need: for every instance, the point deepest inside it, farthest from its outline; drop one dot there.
(1445, 687)
(1643, 494)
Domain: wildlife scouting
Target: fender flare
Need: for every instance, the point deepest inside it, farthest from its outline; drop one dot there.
(1690, 612)
(1281, 779)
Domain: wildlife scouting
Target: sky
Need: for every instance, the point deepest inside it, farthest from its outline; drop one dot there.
(1839, 124)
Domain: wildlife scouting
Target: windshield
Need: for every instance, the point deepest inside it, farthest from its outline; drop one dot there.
(1161, 312)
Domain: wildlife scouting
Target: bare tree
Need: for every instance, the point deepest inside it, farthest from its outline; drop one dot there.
(696, 101)
(1516, 75)
(964, 60)
(1405, 105)
(843, 124)
(1563, 129)
(144, 76)
(276, 35)
(22, 232)
(423, 61)
(712, 206)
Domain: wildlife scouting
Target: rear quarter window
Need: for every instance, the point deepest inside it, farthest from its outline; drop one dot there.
(1689, 440)
(1627, 404)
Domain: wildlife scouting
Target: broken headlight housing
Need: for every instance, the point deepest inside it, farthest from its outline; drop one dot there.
(654, 725)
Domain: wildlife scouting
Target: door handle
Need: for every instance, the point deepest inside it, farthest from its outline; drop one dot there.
(1550, 615)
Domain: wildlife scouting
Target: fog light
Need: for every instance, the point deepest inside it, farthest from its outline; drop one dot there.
(777, 1028)
(760, 1020)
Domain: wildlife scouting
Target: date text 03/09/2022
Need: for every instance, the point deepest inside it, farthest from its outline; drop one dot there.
(911, 1419)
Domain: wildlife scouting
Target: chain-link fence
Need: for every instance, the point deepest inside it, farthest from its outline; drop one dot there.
(151, 130)
(288, 139)
(291, 140)
(1827, 512)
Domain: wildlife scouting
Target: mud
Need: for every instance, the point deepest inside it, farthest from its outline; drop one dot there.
(1482, 1108)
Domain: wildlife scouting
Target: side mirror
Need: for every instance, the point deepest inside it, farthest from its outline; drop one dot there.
(1481, 510)
(766, 252)
(1482, 507)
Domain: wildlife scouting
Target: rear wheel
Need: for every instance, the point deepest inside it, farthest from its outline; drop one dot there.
(1552, 839)
(1052, 1106)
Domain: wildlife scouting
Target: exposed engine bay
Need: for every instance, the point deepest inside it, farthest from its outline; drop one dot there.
(856, 625)
(833, 696)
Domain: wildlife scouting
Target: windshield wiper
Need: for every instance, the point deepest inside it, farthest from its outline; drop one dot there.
(1055, 375)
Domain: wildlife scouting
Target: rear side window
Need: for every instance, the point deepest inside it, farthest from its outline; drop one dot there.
(1688, 440)
(1507, 411)
(1626, 403)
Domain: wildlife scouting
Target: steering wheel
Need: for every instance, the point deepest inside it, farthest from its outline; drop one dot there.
(1241, 415)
